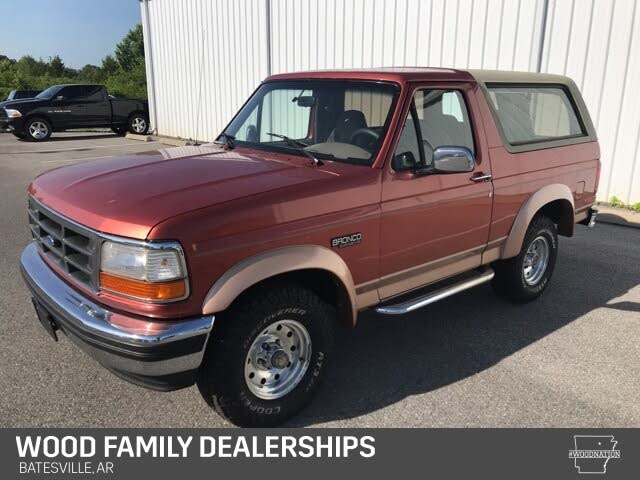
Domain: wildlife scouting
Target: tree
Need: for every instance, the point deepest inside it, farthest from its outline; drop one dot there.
(91, 73)
(130, 51)
(109, 65)
(56, 67)
(122, 73)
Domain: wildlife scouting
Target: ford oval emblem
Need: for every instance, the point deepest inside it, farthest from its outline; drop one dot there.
(52, 242)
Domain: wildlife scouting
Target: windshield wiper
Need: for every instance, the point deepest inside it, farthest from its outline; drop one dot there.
(228, 141)
(298, 145)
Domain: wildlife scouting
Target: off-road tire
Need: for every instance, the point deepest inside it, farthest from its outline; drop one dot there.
(509, 280)
(221, 378)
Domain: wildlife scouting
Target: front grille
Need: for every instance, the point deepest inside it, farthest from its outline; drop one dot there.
(70, 246)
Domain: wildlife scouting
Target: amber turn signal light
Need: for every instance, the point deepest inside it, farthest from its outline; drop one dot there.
(154, 291)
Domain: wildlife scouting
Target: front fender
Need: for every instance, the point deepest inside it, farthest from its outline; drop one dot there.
(268, 264)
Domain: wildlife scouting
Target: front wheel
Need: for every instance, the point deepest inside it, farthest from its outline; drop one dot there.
(37, 130)
(267, 355)
(524, 277)
(138, 124)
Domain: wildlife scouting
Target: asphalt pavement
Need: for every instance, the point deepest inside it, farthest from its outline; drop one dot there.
(569, 359)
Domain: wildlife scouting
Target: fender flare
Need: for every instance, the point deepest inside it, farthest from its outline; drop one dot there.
(534, 203)
(262, 266)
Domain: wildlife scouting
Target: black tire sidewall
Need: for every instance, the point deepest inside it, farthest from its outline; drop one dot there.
(130, 124)
(29, 137)
(223, 379)
(299, 396)
(541, 228)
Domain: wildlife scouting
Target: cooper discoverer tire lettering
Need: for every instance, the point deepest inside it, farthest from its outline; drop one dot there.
(267, 355)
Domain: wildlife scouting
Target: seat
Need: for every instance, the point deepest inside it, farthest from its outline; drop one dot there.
(347, 123)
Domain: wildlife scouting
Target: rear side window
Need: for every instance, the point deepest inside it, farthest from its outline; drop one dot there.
(92, 92)
(71, 92)
(531, 114)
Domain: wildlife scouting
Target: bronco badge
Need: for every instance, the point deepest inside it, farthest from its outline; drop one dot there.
(346, 240)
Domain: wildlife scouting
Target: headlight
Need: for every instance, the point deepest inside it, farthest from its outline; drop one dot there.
(11, 113)
(145, 272)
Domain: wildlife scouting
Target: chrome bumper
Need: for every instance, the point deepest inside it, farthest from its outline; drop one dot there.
(164, 357)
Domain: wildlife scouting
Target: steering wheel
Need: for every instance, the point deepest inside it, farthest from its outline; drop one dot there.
(369, 136)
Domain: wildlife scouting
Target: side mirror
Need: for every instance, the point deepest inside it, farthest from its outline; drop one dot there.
(60, 98)
(452, 160)
(404, 161)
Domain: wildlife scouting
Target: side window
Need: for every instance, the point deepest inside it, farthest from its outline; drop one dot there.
(443, 120)
(248, 131)
(284, 116)
(72, 92)
(534, 114)
(92, 92)
(408, 147)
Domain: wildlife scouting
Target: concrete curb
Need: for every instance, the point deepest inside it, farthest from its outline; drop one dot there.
(142, 138)
(174, 142)
(618, 216)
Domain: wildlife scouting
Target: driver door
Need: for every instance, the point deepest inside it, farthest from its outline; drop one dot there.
(434, 225)
(69, 107)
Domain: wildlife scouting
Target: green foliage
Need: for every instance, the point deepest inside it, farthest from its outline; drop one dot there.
(124, 74)
(616, 202)
(635, 206)
(130, 51)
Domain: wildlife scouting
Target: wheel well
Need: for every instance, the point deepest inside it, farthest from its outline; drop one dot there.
(136, 112)
(561, 213)
(37, 115)
(322, 282)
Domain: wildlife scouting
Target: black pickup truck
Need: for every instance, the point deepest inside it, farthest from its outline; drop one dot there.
(63, 107)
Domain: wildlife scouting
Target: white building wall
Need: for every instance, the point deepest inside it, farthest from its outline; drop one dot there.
(206, 56)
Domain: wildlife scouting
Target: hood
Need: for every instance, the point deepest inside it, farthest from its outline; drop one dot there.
(128, 195)
(21, 101)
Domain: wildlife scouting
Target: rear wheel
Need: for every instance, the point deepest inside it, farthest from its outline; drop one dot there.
(267, 356)
(138, 124)
(37, 130)
(524, 277)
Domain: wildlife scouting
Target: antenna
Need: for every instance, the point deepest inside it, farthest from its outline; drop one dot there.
(204, 31)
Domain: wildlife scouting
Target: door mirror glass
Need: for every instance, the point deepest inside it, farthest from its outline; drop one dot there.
(60, 98)
(404, 161)
(452, 160)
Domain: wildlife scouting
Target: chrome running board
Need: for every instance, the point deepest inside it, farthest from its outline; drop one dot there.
(437, 295)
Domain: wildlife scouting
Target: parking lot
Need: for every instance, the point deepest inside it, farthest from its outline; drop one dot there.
(569, 359)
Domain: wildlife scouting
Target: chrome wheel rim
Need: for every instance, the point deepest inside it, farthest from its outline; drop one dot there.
(536, 260)
(38, 130)
(139, 124)
(278, 359)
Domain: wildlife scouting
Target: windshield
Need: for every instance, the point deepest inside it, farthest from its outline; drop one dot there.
(49, 92)
(333, 120)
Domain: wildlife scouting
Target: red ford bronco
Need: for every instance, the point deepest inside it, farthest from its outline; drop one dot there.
(327, 194)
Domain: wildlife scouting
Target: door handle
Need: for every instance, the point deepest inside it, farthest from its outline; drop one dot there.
(481, 177)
